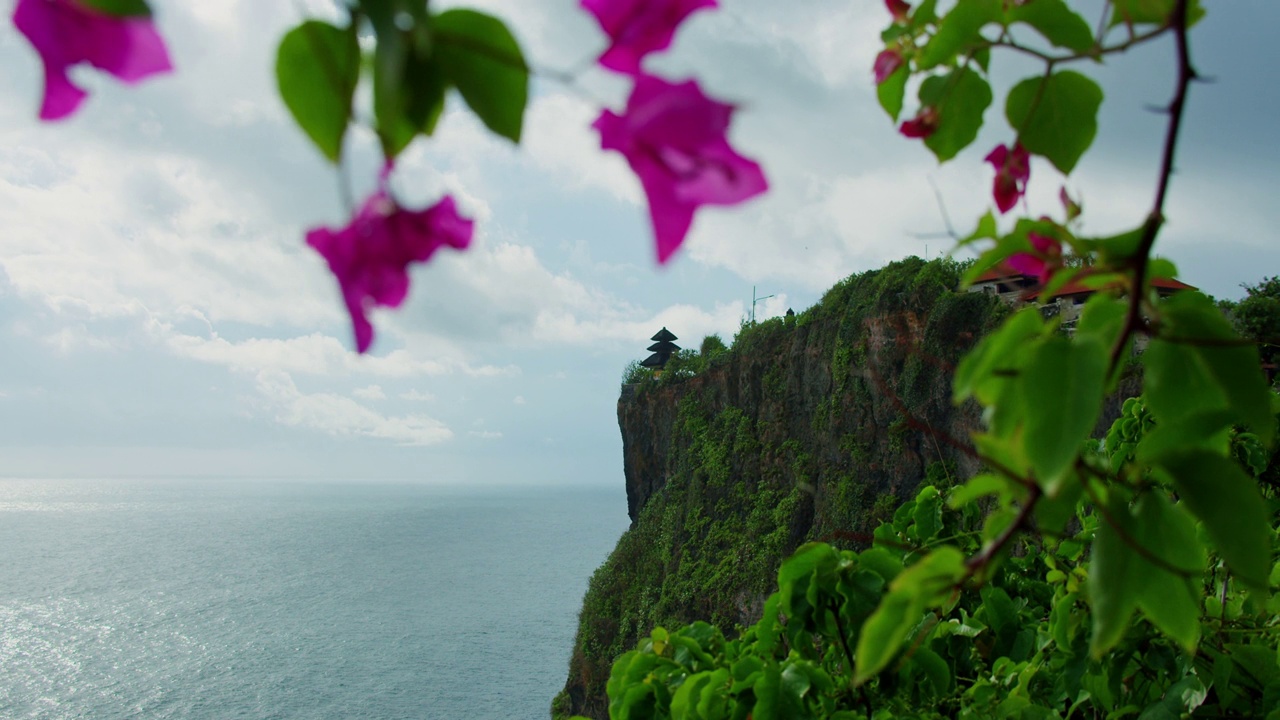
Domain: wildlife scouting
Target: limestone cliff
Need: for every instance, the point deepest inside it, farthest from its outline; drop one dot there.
(812, 427)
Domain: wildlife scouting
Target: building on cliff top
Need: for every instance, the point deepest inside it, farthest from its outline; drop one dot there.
(662, 348)
(1016, 287)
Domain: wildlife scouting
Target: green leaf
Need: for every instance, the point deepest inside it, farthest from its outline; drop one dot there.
(1115, 248)
(120, 8)
(933, 669)
(1152, 12)
(1062, 387)
(1218, 492)
(977, 487)
(881, 562)
(958, 29)
(1113, 591)
(768, 691)
(1183, 696)
(961, 97)
(424, 90)
(884, 632)
(891, 92)
(1197, 366)
(1169, 600)
(1256, 661)
(932, 579)
(986, 230)
(928, 513)
(795, 683)
(986, 368)
(685, 700)
(317, 68)
(805, 561)
(1056, 117)
(1206, 430)
(408, 89)
(1159, 267)
(480, 57)
(390, 60)
(1102, 319)
(626, 688)
(1002, 617)
(925, 14)
(1055, 510)
(1063, 620)
(1058, 23)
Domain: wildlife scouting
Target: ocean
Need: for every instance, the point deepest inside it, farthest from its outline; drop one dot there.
(237, 599)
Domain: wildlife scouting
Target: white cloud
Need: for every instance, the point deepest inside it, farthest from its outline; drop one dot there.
(485, 434)
(319, 355)
(372, 392)
(415, 395)
(829, 40)
(154, 231)
(341, 416)
(562, 142)
(518, 400)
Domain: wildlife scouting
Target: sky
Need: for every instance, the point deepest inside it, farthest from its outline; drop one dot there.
(160, 315)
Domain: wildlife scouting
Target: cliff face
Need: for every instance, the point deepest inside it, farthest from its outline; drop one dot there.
(808, 428)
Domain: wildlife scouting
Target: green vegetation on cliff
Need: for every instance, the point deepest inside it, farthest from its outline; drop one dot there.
(805, 429)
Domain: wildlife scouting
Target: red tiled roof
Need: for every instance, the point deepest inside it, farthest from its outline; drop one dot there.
(1004, 272)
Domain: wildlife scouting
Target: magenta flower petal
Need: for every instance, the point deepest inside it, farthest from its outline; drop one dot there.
(886, 63)
(898, 9)
(922, 125)
(673, 136)
(65, 33)
(1027, 264)
(1013, 170)
(1043, 262)
(371, 255)
(639, 27)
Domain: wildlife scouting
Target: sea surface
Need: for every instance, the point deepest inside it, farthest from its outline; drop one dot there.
(239, 599)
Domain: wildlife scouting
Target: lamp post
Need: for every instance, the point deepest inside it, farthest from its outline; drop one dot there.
(755, 300)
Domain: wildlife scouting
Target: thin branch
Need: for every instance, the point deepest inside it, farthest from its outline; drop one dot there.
(1141, 260)
(997, 544)
(1102, 23)
(844, 638)
(1092, 53)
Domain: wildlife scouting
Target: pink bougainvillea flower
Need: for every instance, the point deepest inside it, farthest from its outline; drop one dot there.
(371, 255)
(674, 138)
(898, 9)
(922, 125)
(67, 33)
(886, 63)
(1046, 258)
(639, 27)
(1013, 170)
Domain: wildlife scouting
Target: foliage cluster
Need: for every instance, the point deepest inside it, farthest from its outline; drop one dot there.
(1068, 579)
(1257, 317)
(875, 634)
(890, 632)
(741, 492)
